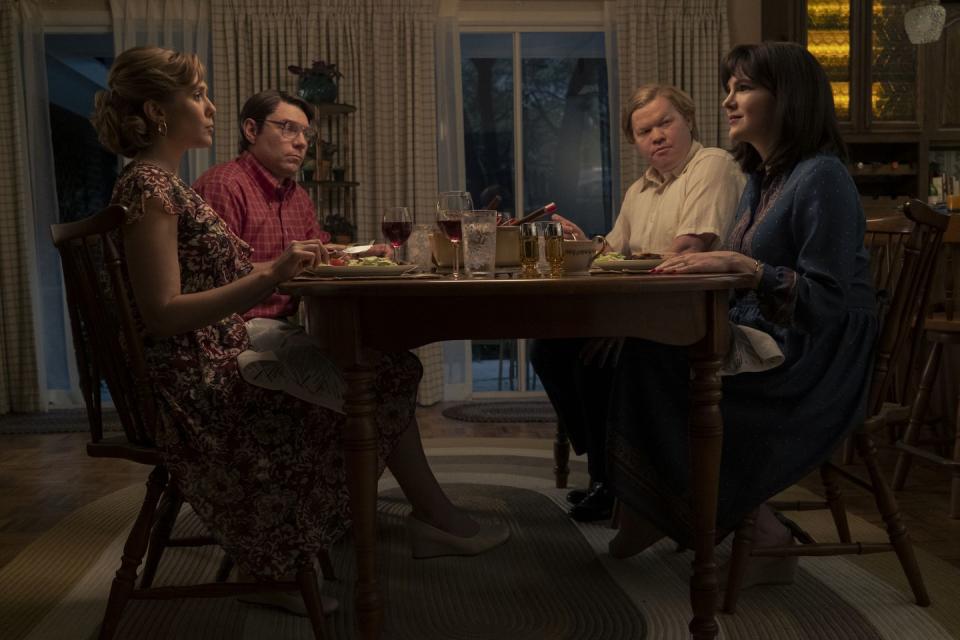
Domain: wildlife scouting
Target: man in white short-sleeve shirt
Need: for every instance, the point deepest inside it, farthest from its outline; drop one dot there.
(686, 199)
(684, 202)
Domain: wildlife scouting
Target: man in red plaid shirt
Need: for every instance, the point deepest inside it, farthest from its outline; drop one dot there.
(257, 194)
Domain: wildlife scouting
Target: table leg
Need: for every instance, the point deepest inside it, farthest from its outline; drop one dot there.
(360, 452)
(706, 439)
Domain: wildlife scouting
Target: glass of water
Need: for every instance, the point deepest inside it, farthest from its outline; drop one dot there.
(479, 242)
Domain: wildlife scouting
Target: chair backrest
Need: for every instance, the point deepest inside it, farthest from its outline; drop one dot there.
(907, 295)
(105, 337)
(885, 239)
(943, 297)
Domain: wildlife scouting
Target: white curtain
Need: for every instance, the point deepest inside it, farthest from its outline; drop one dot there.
(678, 42)
(182, 25)
(385, 50)
(21, 364)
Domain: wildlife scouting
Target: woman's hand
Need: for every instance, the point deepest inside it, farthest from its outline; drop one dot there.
(708, 262)
(298, 256)
(570, 230)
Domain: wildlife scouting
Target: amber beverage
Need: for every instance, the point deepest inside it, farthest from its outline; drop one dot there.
(553, 237)
(529, 251)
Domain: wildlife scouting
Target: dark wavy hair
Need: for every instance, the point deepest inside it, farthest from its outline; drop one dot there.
(803, 101)
(260, 106)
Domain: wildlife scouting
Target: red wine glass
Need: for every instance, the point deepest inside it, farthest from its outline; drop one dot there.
(450, 208)
(396, 225)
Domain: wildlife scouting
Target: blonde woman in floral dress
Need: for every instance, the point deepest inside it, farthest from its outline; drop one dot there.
(262, 469)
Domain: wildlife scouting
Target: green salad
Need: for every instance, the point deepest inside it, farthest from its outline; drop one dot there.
(610, 257)
(371, 261)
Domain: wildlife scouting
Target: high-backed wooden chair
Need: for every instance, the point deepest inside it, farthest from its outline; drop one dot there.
(885, 239)
(941, 327)
(108, 347)
(898, 316)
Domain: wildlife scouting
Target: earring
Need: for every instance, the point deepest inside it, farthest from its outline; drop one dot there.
(162, 128)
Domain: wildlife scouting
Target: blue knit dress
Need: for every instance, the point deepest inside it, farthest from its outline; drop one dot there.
(816, 300)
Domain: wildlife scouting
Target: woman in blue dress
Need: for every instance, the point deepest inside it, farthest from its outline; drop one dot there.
(799, 230)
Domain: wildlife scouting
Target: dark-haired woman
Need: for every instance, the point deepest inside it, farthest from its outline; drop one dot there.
(799, 230)
(262, 469)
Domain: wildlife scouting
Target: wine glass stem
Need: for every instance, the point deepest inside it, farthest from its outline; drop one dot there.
(456, 260)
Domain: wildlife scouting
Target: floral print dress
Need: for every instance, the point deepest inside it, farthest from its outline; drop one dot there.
(263, 470)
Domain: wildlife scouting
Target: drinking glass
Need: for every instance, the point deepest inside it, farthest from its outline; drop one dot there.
(396, 225)
(553, 241)
(450, 208)
(479, 243)
(529, 250)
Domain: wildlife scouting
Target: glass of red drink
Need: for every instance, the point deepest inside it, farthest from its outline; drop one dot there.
(396, 226)
(450, 208)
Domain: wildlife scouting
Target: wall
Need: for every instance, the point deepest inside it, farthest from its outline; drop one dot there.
(744, 19)
(744, 15)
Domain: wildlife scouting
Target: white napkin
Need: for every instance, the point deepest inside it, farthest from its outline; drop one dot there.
(750, 350)
(284, 358)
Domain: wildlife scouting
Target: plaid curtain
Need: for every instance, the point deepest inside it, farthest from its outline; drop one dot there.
(19, 368)
(678, 42)
(385, 50)
(183, 25)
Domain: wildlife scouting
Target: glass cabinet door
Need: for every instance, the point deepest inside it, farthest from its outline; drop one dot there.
(893, 64)
(828, 39)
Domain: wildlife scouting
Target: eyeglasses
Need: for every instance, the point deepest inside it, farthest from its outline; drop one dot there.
(290, 130)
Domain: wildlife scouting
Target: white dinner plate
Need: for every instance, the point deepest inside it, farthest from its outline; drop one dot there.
(359, 271)
(628, 265)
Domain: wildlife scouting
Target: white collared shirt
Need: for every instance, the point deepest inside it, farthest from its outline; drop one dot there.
(700, 198)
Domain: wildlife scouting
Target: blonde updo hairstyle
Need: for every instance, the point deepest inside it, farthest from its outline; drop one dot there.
(647, 93)
(138, 75)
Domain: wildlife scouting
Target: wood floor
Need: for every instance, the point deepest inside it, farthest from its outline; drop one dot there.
(45, 477)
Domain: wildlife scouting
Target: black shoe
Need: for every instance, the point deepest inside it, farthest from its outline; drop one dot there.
(577, 495)
(597, 505)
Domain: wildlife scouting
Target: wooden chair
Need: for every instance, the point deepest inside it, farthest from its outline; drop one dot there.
(108, 347)
(885, 239)
(897, 319)
(941, 327)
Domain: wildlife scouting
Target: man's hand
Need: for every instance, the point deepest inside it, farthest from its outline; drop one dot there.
(570, 230)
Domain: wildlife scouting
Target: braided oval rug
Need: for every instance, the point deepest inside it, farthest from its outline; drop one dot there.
(552, 580)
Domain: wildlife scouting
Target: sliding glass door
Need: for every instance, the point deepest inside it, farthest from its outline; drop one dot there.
(536, 129)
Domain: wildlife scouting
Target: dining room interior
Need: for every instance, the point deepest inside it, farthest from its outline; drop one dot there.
(516, 107)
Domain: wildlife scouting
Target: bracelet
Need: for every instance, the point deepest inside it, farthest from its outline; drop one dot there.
(757, 266)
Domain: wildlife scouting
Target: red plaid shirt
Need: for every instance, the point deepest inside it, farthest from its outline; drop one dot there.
(267, 213)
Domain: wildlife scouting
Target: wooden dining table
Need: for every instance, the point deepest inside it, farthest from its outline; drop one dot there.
(357, 318)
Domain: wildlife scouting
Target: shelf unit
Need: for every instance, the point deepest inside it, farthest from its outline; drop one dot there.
(336, 200)
(896, 101)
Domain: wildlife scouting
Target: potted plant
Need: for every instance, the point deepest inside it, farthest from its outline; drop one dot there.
(339, 227)
(318, 82)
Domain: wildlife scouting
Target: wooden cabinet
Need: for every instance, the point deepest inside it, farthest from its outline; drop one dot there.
(943, 64)
(894, 99)
(327, 178)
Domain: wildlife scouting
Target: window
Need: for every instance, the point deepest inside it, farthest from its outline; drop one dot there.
(76, 66)
(536, 129)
